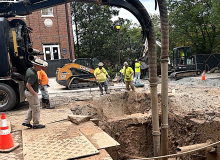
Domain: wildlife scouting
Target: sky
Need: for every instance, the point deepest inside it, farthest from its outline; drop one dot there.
(148, 4)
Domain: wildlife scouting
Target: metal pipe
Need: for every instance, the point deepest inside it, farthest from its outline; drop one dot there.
(164, 76)
(152, 61)
(194, 146)
(33, 51)
(31, 58)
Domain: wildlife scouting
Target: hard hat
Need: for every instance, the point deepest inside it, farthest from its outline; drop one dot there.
(45, 64)
(38, 62)
(100, 64)
(136, 60)
(125, 63)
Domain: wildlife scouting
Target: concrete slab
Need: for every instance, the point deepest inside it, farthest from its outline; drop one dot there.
(59, 140)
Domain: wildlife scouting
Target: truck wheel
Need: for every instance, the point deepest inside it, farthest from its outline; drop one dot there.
(8, 98)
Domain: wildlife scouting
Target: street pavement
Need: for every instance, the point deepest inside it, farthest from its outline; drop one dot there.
(56, 88)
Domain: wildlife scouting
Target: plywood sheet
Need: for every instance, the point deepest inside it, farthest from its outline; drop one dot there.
(102, 140)
(97, 136)
(59, 140)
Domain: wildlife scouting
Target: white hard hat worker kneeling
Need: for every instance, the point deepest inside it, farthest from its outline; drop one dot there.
(100, 75)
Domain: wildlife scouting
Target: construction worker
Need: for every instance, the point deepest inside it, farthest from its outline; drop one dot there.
(31, 90)
(128, 74)
(43, 84)
(137, 71)
(182, 57)
(100, 75)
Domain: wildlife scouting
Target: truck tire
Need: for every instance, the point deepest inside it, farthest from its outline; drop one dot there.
(8, 98)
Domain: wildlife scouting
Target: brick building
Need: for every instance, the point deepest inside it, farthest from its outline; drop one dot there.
(52, 32)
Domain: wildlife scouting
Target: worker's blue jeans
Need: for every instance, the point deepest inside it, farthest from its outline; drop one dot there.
(137, 77)
(103, 84)
(44, 91)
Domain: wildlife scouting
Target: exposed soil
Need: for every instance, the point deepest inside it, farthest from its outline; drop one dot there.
(193, 118)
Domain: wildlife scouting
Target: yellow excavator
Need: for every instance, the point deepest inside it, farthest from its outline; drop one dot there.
(78, 74)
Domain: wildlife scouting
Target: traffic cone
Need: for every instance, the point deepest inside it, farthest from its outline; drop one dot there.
(6, 141)
(203, 75)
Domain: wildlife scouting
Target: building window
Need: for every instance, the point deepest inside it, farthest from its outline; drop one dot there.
(48, 12)
(51, 52)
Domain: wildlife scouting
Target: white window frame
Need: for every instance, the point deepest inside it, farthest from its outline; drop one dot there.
(51, 15)
(51, 49)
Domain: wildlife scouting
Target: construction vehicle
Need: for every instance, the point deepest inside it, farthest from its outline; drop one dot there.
(183, 64)
(78, 74)
(16, 54)
(16, 48)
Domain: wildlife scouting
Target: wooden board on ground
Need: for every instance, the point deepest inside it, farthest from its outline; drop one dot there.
(61, 140)
(97, 136)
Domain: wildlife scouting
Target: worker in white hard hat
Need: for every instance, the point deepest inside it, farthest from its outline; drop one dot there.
(43, 84)
(31, 90)
(128, 74)
(100, 75)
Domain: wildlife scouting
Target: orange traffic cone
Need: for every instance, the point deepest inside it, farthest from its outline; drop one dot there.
(6, 141)
(203, 75)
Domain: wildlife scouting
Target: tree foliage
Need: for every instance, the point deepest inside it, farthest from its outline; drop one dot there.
(191, 25)
(96, 34)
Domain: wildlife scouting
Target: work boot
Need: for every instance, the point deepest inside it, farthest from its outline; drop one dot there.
(106, 91)
(27, 125)
(44, 105)
(48, 105)
(38, 126)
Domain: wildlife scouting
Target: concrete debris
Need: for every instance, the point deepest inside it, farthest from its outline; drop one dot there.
(77, 119)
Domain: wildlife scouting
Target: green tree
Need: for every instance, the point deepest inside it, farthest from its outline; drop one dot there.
(191, 25)
(97, 36)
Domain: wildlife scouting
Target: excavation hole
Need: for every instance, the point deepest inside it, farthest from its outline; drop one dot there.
(127, 117)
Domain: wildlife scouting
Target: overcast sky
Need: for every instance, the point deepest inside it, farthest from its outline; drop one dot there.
(148, 4)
